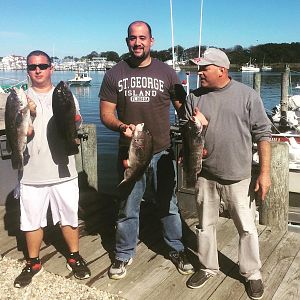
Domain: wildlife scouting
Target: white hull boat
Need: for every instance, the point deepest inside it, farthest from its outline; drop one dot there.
(249, 67)
(81, 78)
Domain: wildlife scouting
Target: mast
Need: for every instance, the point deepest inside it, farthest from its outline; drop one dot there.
(172, 32)
(200, 39)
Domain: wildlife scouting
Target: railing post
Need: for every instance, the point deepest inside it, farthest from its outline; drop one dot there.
(274, 210)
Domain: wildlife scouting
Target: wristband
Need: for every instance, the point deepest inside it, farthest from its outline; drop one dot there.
(120, 127)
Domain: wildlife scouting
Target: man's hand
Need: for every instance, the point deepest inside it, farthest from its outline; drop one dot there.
(127, 130)
(32, 107)
(262, 185)
(200, 117)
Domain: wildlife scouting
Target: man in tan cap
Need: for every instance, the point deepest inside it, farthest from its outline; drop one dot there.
(236, 118)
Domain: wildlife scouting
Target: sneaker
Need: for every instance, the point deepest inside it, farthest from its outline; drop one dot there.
(181, 262)
(255, 289)
(118, 269)
(198, 279)
(27, 274)
(79, 267)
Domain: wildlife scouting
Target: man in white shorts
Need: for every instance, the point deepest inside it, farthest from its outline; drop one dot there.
(49, 177)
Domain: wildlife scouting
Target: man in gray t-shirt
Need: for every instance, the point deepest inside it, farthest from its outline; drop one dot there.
(236, 118)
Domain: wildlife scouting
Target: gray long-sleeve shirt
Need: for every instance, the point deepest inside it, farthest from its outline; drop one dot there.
(237, 118)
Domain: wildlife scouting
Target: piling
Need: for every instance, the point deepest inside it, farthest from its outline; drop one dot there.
(274, 210)
(86, 159)
(257, 82)
(285, 81)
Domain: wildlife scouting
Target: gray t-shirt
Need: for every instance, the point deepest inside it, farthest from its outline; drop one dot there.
(45, 158)
(142, 95)
(237, 118)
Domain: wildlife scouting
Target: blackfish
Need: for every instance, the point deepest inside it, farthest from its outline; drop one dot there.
(193, 140)
(64, 114)
(139, 155)
(17, 121)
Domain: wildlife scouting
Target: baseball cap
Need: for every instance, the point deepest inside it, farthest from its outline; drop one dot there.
(214, 56)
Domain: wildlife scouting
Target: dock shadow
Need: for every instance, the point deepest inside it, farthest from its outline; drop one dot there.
(98, 211)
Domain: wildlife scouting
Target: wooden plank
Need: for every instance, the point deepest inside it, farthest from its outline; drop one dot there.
(152, 276)
(174, 286)
(149, 260)
(143, 262)
(279, 262)
(290, 286)
(233, 285)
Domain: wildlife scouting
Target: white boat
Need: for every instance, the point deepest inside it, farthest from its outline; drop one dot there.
(297, 86)
(173, 65)
(292, 115)
(291, 137)
(249, 67)
(81, 78)
(265, 68)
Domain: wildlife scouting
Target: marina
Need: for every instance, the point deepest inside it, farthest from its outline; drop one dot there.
(152, 275)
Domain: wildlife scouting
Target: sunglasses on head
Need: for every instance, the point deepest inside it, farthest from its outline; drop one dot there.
(41, 67)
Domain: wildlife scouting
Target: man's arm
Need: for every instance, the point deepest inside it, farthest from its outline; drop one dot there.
(109, 119)
(263, 181)
(108, 115)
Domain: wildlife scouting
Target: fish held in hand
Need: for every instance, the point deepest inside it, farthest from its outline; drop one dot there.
(17, 122)
(139, 155)
(64, 113)
(193, 143)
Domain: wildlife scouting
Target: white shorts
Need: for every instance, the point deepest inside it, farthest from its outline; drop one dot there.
(34, 202)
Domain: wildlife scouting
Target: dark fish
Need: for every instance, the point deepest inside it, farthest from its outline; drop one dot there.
(17, 120)
(139, 154)
(193, 144)
(64, 113)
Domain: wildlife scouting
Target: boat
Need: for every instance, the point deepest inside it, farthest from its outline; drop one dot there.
(81, 78)
(265, 68)
(249, 67)
(173, 65)
(292, 118)
(297, 86)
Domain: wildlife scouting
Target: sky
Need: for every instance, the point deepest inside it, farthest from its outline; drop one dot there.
(76, 28)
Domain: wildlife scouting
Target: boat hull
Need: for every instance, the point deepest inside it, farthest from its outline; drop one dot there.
(79, 82)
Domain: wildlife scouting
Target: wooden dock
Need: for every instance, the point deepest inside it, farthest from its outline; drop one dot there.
(152, 275)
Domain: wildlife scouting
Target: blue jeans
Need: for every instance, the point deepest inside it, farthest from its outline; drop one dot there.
(159, 184)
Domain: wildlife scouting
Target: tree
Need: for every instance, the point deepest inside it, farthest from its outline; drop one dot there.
(111, 55)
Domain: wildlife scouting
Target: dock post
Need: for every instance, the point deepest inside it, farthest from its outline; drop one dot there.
(274, 210)
(86, 159)
(257, 82)
(285, 82)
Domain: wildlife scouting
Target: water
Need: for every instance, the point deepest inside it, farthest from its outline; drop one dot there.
(107, 140)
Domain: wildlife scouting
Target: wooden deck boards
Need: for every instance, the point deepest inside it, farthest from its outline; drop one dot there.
(152, 276)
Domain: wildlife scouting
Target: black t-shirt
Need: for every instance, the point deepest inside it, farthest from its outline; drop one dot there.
(142, 95)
